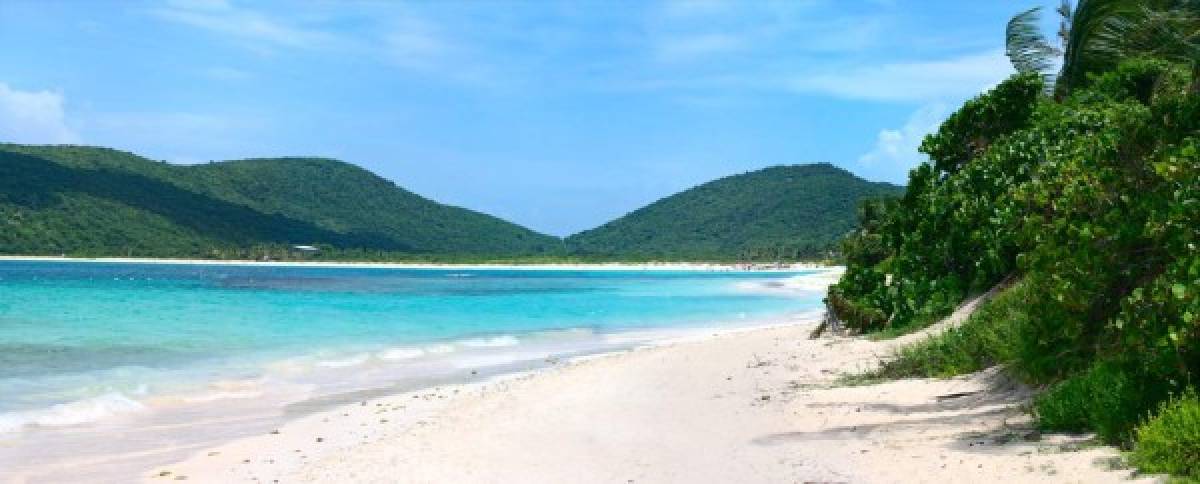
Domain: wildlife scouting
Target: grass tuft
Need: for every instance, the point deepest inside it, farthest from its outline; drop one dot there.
(1170, 441)
(986, 339)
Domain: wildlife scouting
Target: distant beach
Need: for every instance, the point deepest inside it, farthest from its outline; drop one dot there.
(599, 266)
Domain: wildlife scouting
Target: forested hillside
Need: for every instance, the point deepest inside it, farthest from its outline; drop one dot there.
(782, 212)
(96, 201)
(89, 201)
(1079, 190)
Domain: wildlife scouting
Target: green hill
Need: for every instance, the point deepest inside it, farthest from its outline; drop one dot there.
(778, 212)
(97, 201)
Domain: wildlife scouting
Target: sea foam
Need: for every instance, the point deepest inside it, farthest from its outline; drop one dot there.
(71, 413)
(352, 361)
(402, 353)
(493, 342)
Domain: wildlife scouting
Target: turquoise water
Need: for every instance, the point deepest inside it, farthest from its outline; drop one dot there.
(80, 341)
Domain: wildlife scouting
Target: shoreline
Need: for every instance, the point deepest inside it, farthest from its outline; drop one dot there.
(566, 266)
(243, 420)
(238, 404)
(749, 405)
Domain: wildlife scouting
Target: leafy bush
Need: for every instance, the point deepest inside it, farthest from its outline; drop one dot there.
(982, 121)
(1170, 441)
(947, 236)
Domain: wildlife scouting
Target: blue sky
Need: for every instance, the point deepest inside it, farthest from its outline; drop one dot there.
(558, 116)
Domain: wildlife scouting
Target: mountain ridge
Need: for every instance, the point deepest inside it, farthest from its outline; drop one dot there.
(97, 201)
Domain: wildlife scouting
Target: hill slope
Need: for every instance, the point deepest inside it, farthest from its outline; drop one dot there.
(98, 201)
(777, 212)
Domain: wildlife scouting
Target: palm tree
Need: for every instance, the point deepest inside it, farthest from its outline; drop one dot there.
(1097, 34)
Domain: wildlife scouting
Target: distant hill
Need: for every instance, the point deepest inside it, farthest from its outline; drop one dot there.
(90, 201)
(777, 212)
(97, 201)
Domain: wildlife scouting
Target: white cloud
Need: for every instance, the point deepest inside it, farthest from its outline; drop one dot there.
(957, 77)
(895, 151)
(35, 117)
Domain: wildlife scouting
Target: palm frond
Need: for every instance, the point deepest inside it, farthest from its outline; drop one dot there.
(1027, 48)
(1095, 39)
(1104, 32)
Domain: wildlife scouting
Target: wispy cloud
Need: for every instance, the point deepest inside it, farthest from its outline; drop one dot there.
(256, 30)
(957, 77)
(34, 117)
(765, 31)
(389, 34)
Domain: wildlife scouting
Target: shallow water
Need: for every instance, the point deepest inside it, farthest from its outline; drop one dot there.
(91, 347)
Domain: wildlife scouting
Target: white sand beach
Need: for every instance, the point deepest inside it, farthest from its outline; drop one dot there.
(759, 405)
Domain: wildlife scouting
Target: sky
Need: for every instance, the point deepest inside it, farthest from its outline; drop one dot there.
(558, 116)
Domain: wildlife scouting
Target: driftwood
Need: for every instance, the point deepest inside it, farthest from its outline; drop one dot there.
(829, 323)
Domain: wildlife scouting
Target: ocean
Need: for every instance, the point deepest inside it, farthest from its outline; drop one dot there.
(89, 346)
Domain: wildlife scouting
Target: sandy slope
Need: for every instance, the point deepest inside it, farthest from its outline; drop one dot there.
(756, 406)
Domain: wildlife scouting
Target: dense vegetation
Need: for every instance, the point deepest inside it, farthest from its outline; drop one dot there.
(1084, 185)
(95, 201)
(782, 212)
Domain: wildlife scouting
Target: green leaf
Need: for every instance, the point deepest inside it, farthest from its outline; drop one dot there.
(1179, 290)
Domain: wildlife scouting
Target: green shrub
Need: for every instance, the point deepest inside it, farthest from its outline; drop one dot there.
(1170, 441)
(1108, 398)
